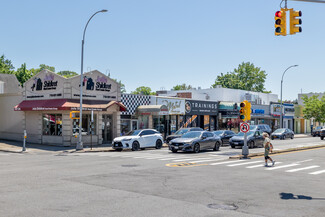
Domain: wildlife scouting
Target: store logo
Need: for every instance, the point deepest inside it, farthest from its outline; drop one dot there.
(88, 82)
(48, 84)
(172, 106)
(101, 84)
(188, 107)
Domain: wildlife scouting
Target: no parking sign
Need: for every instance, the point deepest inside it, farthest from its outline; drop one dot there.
(244, 127)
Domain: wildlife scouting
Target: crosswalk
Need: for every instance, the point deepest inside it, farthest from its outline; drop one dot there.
(280, 166)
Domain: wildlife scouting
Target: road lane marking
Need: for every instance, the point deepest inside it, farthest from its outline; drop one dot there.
(225, 162)
(303, 168)
(239, 164)
(284, 166)
(317, 172)
(303, 161)
(262, 165)
(192, 159)
(200, 161)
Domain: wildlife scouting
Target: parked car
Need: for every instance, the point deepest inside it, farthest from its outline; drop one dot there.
(254, 139)
(261, 127)
(316, 131)
(195, 141)
(138, 139)
(282, 133)
(322, 134)
(224, 135)
(182, 131)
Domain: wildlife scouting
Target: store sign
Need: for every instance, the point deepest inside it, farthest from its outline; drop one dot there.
(258, 111)
(194, 107)
(48, 84)
(100, 85)
(174, 106)
(289, 111)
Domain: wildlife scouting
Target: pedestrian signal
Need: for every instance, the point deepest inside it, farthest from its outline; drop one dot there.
(75, 115)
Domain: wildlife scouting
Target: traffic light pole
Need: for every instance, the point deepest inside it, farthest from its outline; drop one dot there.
(245, 151)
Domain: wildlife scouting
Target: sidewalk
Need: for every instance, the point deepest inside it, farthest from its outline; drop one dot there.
(301, 135)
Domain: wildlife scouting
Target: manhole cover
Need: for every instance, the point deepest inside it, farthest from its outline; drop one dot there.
(130, 165)
(223, 206)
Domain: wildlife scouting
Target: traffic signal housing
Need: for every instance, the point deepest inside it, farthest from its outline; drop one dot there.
(280, 22)
(294, 21)
(245, 110)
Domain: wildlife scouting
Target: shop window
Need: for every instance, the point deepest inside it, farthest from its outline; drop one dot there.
(52, 124)
(125, 126)
(88, 127)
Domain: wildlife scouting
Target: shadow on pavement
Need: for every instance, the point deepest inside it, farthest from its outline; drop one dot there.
(290, 196)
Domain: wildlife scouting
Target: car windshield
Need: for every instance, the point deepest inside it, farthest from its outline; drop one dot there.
(253, 127)
(133, 133)
(181, 131)
(279, 131)
(319, 128)
(250, 133)
(192, 134)
(218, 133)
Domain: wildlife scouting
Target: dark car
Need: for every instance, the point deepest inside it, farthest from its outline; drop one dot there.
(282, 133)
(322, 134)
(182, 131)
(316, 131)
(254, 139)
(195, 141)
(224, 135)
(261, 127)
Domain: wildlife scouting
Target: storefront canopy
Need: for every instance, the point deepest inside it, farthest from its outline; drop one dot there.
(152, 109)
(66, 104)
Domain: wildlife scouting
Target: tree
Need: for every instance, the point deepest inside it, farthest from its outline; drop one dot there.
(67, 74)
(182, 87)
(122, 86)
(245, 77)
(314, 108)
(24, 74)
(43, 66)
(6, 66)
(143, 90)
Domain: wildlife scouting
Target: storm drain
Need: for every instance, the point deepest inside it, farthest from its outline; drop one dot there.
(222, 206)
(129, 165)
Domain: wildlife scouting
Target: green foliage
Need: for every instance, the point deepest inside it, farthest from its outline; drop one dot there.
(43, 66)
(182, 87)
(314, 108)
(24, 74)
(67, 74)
(122, 86)
(6, 66)
(245, 77)
(143, 90)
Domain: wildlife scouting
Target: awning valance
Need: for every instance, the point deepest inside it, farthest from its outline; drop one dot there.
(66, 104)
(152, 108)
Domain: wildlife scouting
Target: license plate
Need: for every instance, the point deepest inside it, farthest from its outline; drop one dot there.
(236, 143)
(176, 147)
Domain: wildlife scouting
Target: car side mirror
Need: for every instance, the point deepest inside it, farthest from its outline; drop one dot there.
(204, 137)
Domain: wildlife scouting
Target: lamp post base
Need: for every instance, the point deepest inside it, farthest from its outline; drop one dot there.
(79, 146)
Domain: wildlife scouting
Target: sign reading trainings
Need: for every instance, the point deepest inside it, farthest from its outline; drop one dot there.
(194, 107)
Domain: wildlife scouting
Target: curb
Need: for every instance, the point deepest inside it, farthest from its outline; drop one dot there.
(279, 151)
(19, 152)
(109, 149)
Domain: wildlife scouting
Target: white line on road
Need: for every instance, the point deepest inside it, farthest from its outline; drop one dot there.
(303, 161)
(192, 159)
(225, 162)
(317, 172)
(239, 164)
(261, 165)
(284, 166)
(303, 168)
(200, 161)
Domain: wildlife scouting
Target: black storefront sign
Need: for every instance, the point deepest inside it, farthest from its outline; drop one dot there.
(195, 107)
(229, 113)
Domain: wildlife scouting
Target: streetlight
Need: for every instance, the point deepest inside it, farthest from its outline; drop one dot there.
(80, 145)
(281, 121)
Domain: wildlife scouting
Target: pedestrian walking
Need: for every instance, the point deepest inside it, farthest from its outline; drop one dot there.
(268, 148)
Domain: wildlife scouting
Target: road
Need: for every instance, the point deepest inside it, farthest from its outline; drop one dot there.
(160, 183)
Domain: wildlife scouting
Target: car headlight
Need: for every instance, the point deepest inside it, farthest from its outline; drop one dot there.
(128, 139)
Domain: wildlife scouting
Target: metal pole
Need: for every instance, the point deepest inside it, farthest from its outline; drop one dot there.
(245, 150)
(25, 137)
(80, 144)
(281, 115)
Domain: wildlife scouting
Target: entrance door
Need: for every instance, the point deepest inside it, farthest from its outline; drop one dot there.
(107, 126)
(134, 125)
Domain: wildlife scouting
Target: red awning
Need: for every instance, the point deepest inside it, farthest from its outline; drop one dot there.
(66, 104)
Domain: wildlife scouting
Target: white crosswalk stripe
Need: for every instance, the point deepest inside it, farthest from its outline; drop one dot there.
(260, 165)
(201, 161)
(239, 164)
(283, 166)
(303, 168)
(225, 162)
(317, 172)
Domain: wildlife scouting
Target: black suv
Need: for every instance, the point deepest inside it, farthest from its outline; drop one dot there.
(261, 127)
(182, 131)
(322, 134)
(317, 131)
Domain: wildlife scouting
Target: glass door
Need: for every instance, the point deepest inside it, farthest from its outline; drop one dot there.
(107, 126)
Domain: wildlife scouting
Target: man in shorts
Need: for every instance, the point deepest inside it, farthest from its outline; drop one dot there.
(268, 148)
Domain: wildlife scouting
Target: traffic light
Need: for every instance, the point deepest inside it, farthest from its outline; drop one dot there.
(245, 110)
(280, 22)
(294, 21)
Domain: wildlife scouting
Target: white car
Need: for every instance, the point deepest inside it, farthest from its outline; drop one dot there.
(138, 139)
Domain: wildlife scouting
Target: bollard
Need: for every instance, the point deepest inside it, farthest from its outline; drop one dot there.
(25, 137)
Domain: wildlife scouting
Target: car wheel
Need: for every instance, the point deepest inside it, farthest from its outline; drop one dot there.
(314, 135)
(158, 144)
(142, 148)
(222, 143)
(118, 149)
(135, 146)
(272, 138)
(232, 146)
(322, 138)
(217, 146)
(284, 137)
(196, 148)
(251, 144)
(291, 136)
(174, 150)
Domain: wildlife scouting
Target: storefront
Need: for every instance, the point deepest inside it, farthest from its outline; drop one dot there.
(288, 115)
(261, 115)
(49, 99)
(228, 118)
(200, 114)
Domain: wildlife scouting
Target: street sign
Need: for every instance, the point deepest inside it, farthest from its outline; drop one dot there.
(244, 127)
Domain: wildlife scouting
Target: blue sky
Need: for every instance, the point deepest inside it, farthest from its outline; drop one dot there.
(162, 43)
